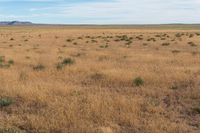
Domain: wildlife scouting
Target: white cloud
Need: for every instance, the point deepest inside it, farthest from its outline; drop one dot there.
(118, 12)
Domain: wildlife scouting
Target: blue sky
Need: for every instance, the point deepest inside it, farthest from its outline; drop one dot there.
(101, 11)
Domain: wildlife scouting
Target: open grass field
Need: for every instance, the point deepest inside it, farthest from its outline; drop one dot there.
(99, 80)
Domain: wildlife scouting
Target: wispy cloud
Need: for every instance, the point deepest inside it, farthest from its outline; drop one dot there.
(107, 12)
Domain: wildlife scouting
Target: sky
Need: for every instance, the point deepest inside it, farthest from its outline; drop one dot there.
(101, 11)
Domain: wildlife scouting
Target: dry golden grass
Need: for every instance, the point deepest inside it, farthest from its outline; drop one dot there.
(95, 92)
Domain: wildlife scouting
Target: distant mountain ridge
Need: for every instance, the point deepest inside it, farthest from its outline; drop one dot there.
(10, 23)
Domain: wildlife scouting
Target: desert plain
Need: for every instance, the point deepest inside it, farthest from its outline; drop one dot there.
(57, 79)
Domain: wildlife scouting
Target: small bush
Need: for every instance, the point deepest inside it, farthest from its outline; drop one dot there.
(175, 51)
(68, 61)
(196, 110)
(165, 44)
(104, 46)
(6, 101)
(192, 44)
(138, 81)
(12, 39)
(2, 59)
(178, 35)
(151, 39)
(11, 62)
(39, 67)
(191, 35)
(75, 43)
(97, 76)
(129, 42)
(198, 34)
(4, 63)
(195, 53)
(69, 40)
(174, 87)
(139, 37)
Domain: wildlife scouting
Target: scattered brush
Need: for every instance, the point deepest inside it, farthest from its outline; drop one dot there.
(138, 81)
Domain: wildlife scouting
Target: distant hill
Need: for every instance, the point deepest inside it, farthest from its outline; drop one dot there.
(10, 23)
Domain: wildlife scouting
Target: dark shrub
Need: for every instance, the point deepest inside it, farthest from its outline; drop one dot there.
(6, 101)
(138, 81)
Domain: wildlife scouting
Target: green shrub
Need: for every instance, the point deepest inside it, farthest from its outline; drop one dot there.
(138, 81)
(11, 62)
(196, 110)
(68, 61)
(6, 101)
